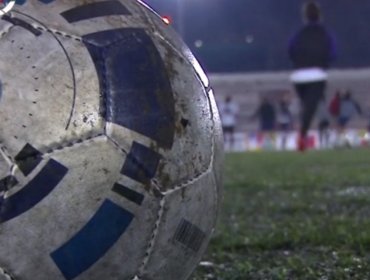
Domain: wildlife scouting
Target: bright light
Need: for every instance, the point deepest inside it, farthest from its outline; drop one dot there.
(249, 39)
(198, 43)
(167, 20)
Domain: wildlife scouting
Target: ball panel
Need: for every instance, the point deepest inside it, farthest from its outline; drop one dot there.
(85, 192)
(192, 123)
(131, 72)
(4, 170)
(184, 230)
(193, 132)
(81, 17)
(40, 102)
(192, 149)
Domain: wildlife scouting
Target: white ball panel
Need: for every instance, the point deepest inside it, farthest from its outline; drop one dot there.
(192, 149)
(184, 230)
(93, 169)
(37, 104)
(4, 166)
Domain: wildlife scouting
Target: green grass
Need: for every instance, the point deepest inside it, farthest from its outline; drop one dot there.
(293, 216)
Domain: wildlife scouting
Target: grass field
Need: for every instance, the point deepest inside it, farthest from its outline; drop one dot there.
(287, 215)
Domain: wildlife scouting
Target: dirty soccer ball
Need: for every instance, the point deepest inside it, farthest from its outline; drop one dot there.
(110, 144)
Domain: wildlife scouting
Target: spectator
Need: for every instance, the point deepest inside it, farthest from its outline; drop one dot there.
(284, 119)
(334, 106)
(311, 51)
(267, 120)
(228, 111)
(348, 108)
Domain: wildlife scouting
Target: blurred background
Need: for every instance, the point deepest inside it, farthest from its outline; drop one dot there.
(286, 215)
(251, 35)
(243, 47)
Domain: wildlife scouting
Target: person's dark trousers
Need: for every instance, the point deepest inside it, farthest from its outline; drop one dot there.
(310, 95)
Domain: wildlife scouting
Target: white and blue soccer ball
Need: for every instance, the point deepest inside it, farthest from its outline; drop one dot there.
(110, 145)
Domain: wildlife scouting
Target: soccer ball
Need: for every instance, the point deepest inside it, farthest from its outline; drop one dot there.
(110, 144)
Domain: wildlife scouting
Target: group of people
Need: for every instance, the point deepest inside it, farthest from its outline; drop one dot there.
(311, 50)
(279, 114)
(274, 117)
(337, 113)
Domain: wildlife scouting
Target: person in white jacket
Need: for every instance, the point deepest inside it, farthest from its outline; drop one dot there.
(228, 111)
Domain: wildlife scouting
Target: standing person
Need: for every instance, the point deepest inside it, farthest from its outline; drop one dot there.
(284, 119)
(311, 51)
(228, 112)
(266, 115)
(334, 109)
(334, 106)
(348, 108)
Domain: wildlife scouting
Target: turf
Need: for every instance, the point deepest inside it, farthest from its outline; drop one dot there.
(287, 215)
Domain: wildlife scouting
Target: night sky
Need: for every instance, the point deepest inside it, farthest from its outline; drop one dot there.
(252, 35)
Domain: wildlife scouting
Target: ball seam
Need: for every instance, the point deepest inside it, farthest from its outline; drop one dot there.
(6, 31)
(151, 244)
(6, 274)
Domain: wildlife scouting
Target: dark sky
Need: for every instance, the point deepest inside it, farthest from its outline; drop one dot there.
(252, 35)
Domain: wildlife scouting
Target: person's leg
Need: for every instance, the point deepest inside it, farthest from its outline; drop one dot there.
(301, 90)
(309, 95)
(321, 134)
(284, 129)
(327, 134)
(226, 133)
(327, 137)
(324, 134)
(232, 139)
(313, 93)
